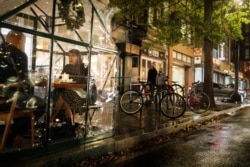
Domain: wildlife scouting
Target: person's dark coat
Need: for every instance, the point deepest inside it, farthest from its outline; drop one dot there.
(152, 72)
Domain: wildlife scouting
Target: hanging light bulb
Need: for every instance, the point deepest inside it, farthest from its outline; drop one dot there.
(77, 5)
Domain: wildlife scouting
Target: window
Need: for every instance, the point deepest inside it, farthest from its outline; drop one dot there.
(247, 54)
(149, 64)
(182, 57)
(179, 56)
(215, 53)
(134, 61)
(246, 39)
(143, 63)
(189, 60)
(175, 55)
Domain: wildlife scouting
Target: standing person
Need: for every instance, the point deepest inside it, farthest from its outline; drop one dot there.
(152, 72)
(14, 69)
(160, 80)
(68, 98)
(245, 87)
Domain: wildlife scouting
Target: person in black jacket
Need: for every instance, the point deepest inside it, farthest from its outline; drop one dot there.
(14, 63)
(14, 70)
(152, 73)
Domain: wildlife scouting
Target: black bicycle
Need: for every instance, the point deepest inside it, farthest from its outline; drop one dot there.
(175, 87)
(171, 104)
(132, 101)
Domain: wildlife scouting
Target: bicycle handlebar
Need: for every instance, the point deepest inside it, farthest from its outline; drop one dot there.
(167, 78)
(195, 83)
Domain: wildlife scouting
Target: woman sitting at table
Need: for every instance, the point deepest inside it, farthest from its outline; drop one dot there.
(68, 98)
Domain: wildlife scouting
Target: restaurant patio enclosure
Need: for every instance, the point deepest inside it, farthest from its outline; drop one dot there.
(52, 28)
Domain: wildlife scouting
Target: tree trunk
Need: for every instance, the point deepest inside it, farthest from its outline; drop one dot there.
(208, 55)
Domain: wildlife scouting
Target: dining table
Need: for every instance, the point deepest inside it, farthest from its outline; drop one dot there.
(69, 85)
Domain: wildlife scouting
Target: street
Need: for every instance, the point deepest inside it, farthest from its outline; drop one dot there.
(223, 144)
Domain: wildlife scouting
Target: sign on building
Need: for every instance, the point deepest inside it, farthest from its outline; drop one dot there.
(197, 51)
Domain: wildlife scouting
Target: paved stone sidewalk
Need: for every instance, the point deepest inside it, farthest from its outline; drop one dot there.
(130, 131)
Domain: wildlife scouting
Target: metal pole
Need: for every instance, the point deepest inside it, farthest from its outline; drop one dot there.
(236, 67)
(236, 97)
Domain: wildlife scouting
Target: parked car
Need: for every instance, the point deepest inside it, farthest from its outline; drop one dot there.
(221, 90)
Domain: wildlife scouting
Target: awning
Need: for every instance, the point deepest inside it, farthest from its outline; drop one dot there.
(129, 48)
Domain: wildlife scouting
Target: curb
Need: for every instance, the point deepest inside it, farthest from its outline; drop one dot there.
(133, 141)
(120, 143)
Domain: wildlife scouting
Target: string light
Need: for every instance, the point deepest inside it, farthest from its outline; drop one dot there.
(72, 13)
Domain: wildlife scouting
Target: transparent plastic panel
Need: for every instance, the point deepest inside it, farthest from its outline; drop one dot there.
(102, 74)
(32, 90)
(7, 6)
(77, 23)
(36, 16)
(47, 54)
(94, 114)
(73, 20)
(101, 30)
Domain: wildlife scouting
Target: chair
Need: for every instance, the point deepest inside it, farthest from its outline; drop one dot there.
(12, 113)
(93, 108)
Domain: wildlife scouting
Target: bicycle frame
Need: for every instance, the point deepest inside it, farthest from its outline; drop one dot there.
(197, 102)
(144, 92)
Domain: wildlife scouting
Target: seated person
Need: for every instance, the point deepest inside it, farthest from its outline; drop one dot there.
(14, 69)
(68, 98)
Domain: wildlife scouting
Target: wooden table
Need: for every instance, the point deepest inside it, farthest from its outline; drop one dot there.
(69, 85)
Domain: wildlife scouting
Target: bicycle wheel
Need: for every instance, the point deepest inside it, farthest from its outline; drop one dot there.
(198, 102)
(173, 105)
(131, 102)
(164, 90)
(178, 89)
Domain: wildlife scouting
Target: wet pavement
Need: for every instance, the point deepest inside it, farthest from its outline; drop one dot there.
(151, 119)
(131, 132)
(222, 144)
(149, 129)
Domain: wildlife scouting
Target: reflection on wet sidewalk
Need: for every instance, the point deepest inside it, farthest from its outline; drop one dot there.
(119, 124)
(150, 119)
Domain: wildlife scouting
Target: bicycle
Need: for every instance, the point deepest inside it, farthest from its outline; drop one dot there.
(175, 87)
(172, 104)
(132, 101)
(197, 101)
(178, 88)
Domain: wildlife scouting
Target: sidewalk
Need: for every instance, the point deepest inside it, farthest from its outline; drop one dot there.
(129, 132)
